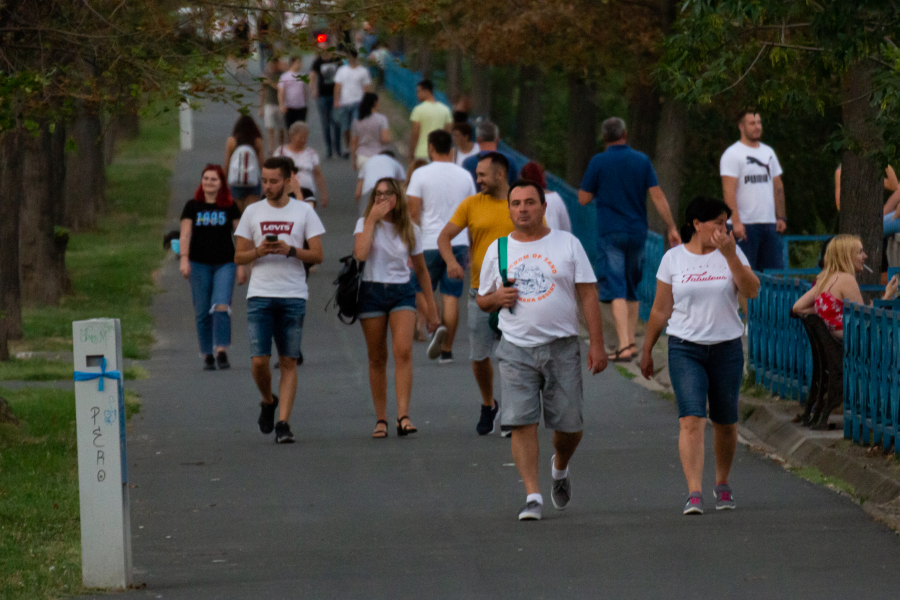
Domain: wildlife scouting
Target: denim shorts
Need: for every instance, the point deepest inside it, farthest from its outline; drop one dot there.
(381, 299)
(542, 381)
(279, 318)
(707, 371)
(762, 246)
(620, 259)
(241, 192)
(437, 270)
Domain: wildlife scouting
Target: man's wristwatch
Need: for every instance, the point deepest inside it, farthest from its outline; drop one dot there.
(292, 252)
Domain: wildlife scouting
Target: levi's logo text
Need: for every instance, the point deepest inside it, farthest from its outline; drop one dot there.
(276, 227)
(210, 217)
(532, 274)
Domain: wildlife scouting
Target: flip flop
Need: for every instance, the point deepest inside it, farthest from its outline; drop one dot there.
(617, 355)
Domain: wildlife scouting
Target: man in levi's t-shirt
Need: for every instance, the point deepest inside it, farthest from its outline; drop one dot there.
(540, 352)
(271, 235)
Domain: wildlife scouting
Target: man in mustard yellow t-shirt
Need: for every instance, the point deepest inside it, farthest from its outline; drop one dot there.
(486, 215)
(429, 115)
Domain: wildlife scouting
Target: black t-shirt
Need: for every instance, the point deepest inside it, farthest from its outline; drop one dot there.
(211, 232)
(325, 72)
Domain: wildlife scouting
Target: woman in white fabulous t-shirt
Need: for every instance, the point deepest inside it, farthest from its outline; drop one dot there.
(697, 288)
(387, 241)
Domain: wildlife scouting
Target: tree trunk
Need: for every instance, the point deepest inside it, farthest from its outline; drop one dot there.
(85, 173)
(641, 122)
(582, 135)
(481, 90)
(861, 176)
(454, 74)
(426, 65)
(10, 210)
(41, 245)
(530, 110)
(669, 161)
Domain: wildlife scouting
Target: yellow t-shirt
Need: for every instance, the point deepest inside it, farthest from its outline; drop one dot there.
(430, 116)
(487, 219)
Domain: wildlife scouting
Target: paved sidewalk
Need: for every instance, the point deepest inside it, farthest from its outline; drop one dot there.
(221, 512)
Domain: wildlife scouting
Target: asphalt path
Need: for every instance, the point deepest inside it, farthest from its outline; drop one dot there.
(219, 511)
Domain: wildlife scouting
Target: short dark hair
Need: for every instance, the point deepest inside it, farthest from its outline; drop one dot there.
(496, 159)
(746, 111)
(702, 209)
(426, 85)
(460, 116)
(278, 162)
(441, 141)
(464, 128)
(522, 183)
(352, 53)
(388, 153)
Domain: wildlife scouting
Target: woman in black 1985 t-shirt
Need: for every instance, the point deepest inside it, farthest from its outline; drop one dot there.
(207, 260)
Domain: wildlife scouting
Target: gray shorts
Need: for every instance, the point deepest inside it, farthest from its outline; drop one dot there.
(481, 336)
(544, 379)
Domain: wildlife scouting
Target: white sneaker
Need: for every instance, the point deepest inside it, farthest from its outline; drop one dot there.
(532, 511)
(434, 346)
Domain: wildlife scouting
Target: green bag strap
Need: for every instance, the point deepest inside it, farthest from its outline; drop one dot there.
(502, 262)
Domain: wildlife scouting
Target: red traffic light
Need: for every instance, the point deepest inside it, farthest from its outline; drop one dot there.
(321, 38)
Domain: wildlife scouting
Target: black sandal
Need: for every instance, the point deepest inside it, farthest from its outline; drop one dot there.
(379, 434)
(402, 431)
(617, 355)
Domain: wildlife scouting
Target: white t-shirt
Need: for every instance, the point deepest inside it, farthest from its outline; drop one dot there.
(557, 215)
(441, 186)
(461, 156)
(275, 275)
(353, 81)
(388, 258)
(306, 161)
(706, 298)
(545, 274)
(378, 167)
(754, 169)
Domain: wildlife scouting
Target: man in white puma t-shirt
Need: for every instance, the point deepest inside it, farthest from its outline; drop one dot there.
(540, 353)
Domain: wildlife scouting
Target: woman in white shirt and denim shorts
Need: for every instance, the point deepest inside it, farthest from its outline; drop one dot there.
(387, 241)
(697, 288)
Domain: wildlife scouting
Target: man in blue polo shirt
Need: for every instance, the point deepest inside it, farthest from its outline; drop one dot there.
(618, 179)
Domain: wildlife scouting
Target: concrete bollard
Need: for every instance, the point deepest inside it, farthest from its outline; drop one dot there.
(102, 461)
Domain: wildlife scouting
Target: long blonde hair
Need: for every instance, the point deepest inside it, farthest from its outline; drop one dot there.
(399, 215)
(838, 259)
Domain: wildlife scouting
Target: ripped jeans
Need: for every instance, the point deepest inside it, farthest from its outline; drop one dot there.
(211, 285)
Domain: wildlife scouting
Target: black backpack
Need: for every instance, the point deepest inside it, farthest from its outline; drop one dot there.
(346, 296)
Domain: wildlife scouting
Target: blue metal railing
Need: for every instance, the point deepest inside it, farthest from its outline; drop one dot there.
(871, 382)
(401, 83)
(779, 350)
(787, 239)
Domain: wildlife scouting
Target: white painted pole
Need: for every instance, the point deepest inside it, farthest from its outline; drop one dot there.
(186, 120)
(102, 460)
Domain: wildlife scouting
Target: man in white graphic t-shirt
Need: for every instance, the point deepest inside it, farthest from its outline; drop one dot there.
(434, 192)
(752, 189)
(540, 353)
(271, 235)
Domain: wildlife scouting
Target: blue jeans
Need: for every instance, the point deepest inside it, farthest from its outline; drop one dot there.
(702, 372)
(329, 127)
(212, 285)
(763, 247)
(279, 318)
(437, 270)
(343, 117)
(619, 260)
(891, 225)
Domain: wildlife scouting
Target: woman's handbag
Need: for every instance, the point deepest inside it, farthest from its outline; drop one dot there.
(346, 294)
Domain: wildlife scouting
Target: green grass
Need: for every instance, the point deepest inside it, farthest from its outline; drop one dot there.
(625, 372)
(41, 369)
(816, 476)
(111, 268)
(40, 536)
